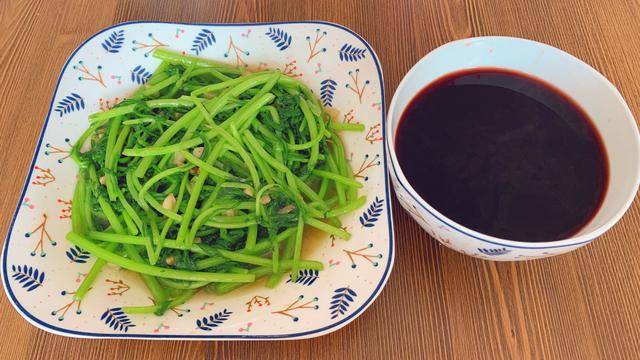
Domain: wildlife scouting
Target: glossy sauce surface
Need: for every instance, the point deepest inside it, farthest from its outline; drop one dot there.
(504, 154)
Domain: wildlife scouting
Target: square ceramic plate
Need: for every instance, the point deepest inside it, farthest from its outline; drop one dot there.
(41, 269)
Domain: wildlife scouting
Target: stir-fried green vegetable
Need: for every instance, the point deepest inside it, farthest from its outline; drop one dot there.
(205, 179)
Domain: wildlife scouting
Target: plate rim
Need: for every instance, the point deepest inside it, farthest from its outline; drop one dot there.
(37, 322)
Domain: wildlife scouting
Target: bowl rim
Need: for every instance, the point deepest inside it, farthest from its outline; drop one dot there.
(569, 242)
(334, 326)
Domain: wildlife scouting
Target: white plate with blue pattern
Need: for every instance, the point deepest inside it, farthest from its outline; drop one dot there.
(41, 269)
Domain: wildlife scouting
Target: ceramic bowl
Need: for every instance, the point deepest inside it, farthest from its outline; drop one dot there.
(41, 269)
(591, 90)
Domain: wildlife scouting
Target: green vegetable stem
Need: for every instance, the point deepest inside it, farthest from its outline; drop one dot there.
(206, 178)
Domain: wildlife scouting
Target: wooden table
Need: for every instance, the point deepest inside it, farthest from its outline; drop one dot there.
(437, 303)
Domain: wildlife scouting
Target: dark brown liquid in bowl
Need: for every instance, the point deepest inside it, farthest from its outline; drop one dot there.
(504, 154)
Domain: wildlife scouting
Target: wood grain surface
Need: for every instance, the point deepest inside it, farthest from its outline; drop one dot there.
(437, 303)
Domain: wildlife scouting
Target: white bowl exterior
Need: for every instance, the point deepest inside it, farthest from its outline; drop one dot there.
(592, 91)
(321, 55)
